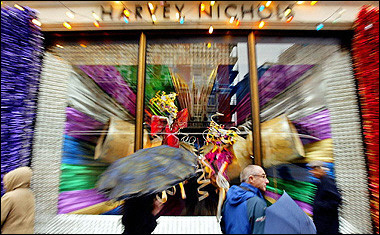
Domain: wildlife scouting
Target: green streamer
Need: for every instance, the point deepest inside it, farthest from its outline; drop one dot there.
(298, 190)
(78, 177)
(158, 78)
(129, 73)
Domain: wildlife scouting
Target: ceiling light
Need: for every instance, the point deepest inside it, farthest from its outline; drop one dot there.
(70, 14)
(36, 22)
(18, 7)
(211, 29)
(287, 11)
(261, 25)
(319, 26)
(67, 25)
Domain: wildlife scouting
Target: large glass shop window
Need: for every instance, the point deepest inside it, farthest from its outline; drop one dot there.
(197, 98)
(100, 120)
(295, 120)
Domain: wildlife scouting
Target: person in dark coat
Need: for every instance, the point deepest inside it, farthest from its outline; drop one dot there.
(140, 215)
(326, 201)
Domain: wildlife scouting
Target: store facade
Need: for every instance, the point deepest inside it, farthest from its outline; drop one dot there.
(278, 95)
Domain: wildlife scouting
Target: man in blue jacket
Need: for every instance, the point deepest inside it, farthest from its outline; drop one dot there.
(243, 211)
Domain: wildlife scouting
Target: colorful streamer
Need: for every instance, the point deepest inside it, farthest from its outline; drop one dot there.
(366, 67)
(21, 53)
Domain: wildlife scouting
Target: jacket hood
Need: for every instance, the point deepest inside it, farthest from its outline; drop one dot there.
(18, 178)
(237, 195)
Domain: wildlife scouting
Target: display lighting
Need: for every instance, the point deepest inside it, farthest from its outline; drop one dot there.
(336, 20)
(82, 45)
(96, 16)
(268, 3)
(70, 14)
(57, 45)
(118, 2)
(313, 3)
(341, 12)
(261, 8)
(126, 13)
(261, 25)
(287, 11)
(151, 7)
(339, 15)
(232, 19)
(67, 25)
(300, 2)
(154, 18)
(18, 7)
(211, 29)
(203, 7)
(96, 24)
(181, 20)
(212, 3)
(290, 18)
(36, 22)
(319, 26)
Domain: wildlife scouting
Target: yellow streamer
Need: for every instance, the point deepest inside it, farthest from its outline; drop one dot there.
(321, 150)
(99, 208)
(182, 190)
(164, 197)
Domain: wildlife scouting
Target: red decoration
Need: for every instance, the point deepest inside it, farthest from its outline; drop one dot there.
(158, 123)
(366, 66)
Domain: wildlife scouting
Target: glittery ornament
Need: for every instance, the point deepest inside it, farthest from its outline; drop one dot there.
(21, 52)
(366, 67)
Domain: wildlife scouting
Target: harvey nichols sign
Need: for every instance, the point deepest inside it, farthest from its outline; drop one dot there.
(168, 11)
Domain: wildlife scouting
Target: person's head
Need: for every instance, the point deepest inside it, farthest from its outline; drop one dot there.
(17, 178)
(255, 176)
(317, 169)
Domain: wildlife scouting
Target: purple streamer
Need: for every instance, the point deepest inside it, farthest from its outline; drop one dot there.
(110, 80)
(243, 109)
(70, 201)
(316, 125)
(80, 126)
(21, 53)
(278, 78)
(222, 88)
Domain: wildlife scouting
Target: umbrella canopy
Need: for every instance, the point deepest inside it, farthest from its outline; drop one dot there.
(286, 217)
(147, 171)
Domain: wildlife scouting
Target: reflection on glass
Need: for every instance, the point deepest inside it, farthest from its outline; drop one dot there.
(100, 121)
(295, 121)
(197, 98)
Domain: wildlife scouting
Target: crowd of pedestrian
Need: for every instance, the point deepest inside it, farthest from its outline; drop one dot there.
(243, 212)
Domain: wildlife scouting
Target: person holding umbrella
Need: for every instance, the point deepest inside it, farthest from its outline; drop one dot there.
(326, 201)
(137, 178)
(140, 214)
(244, 209)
